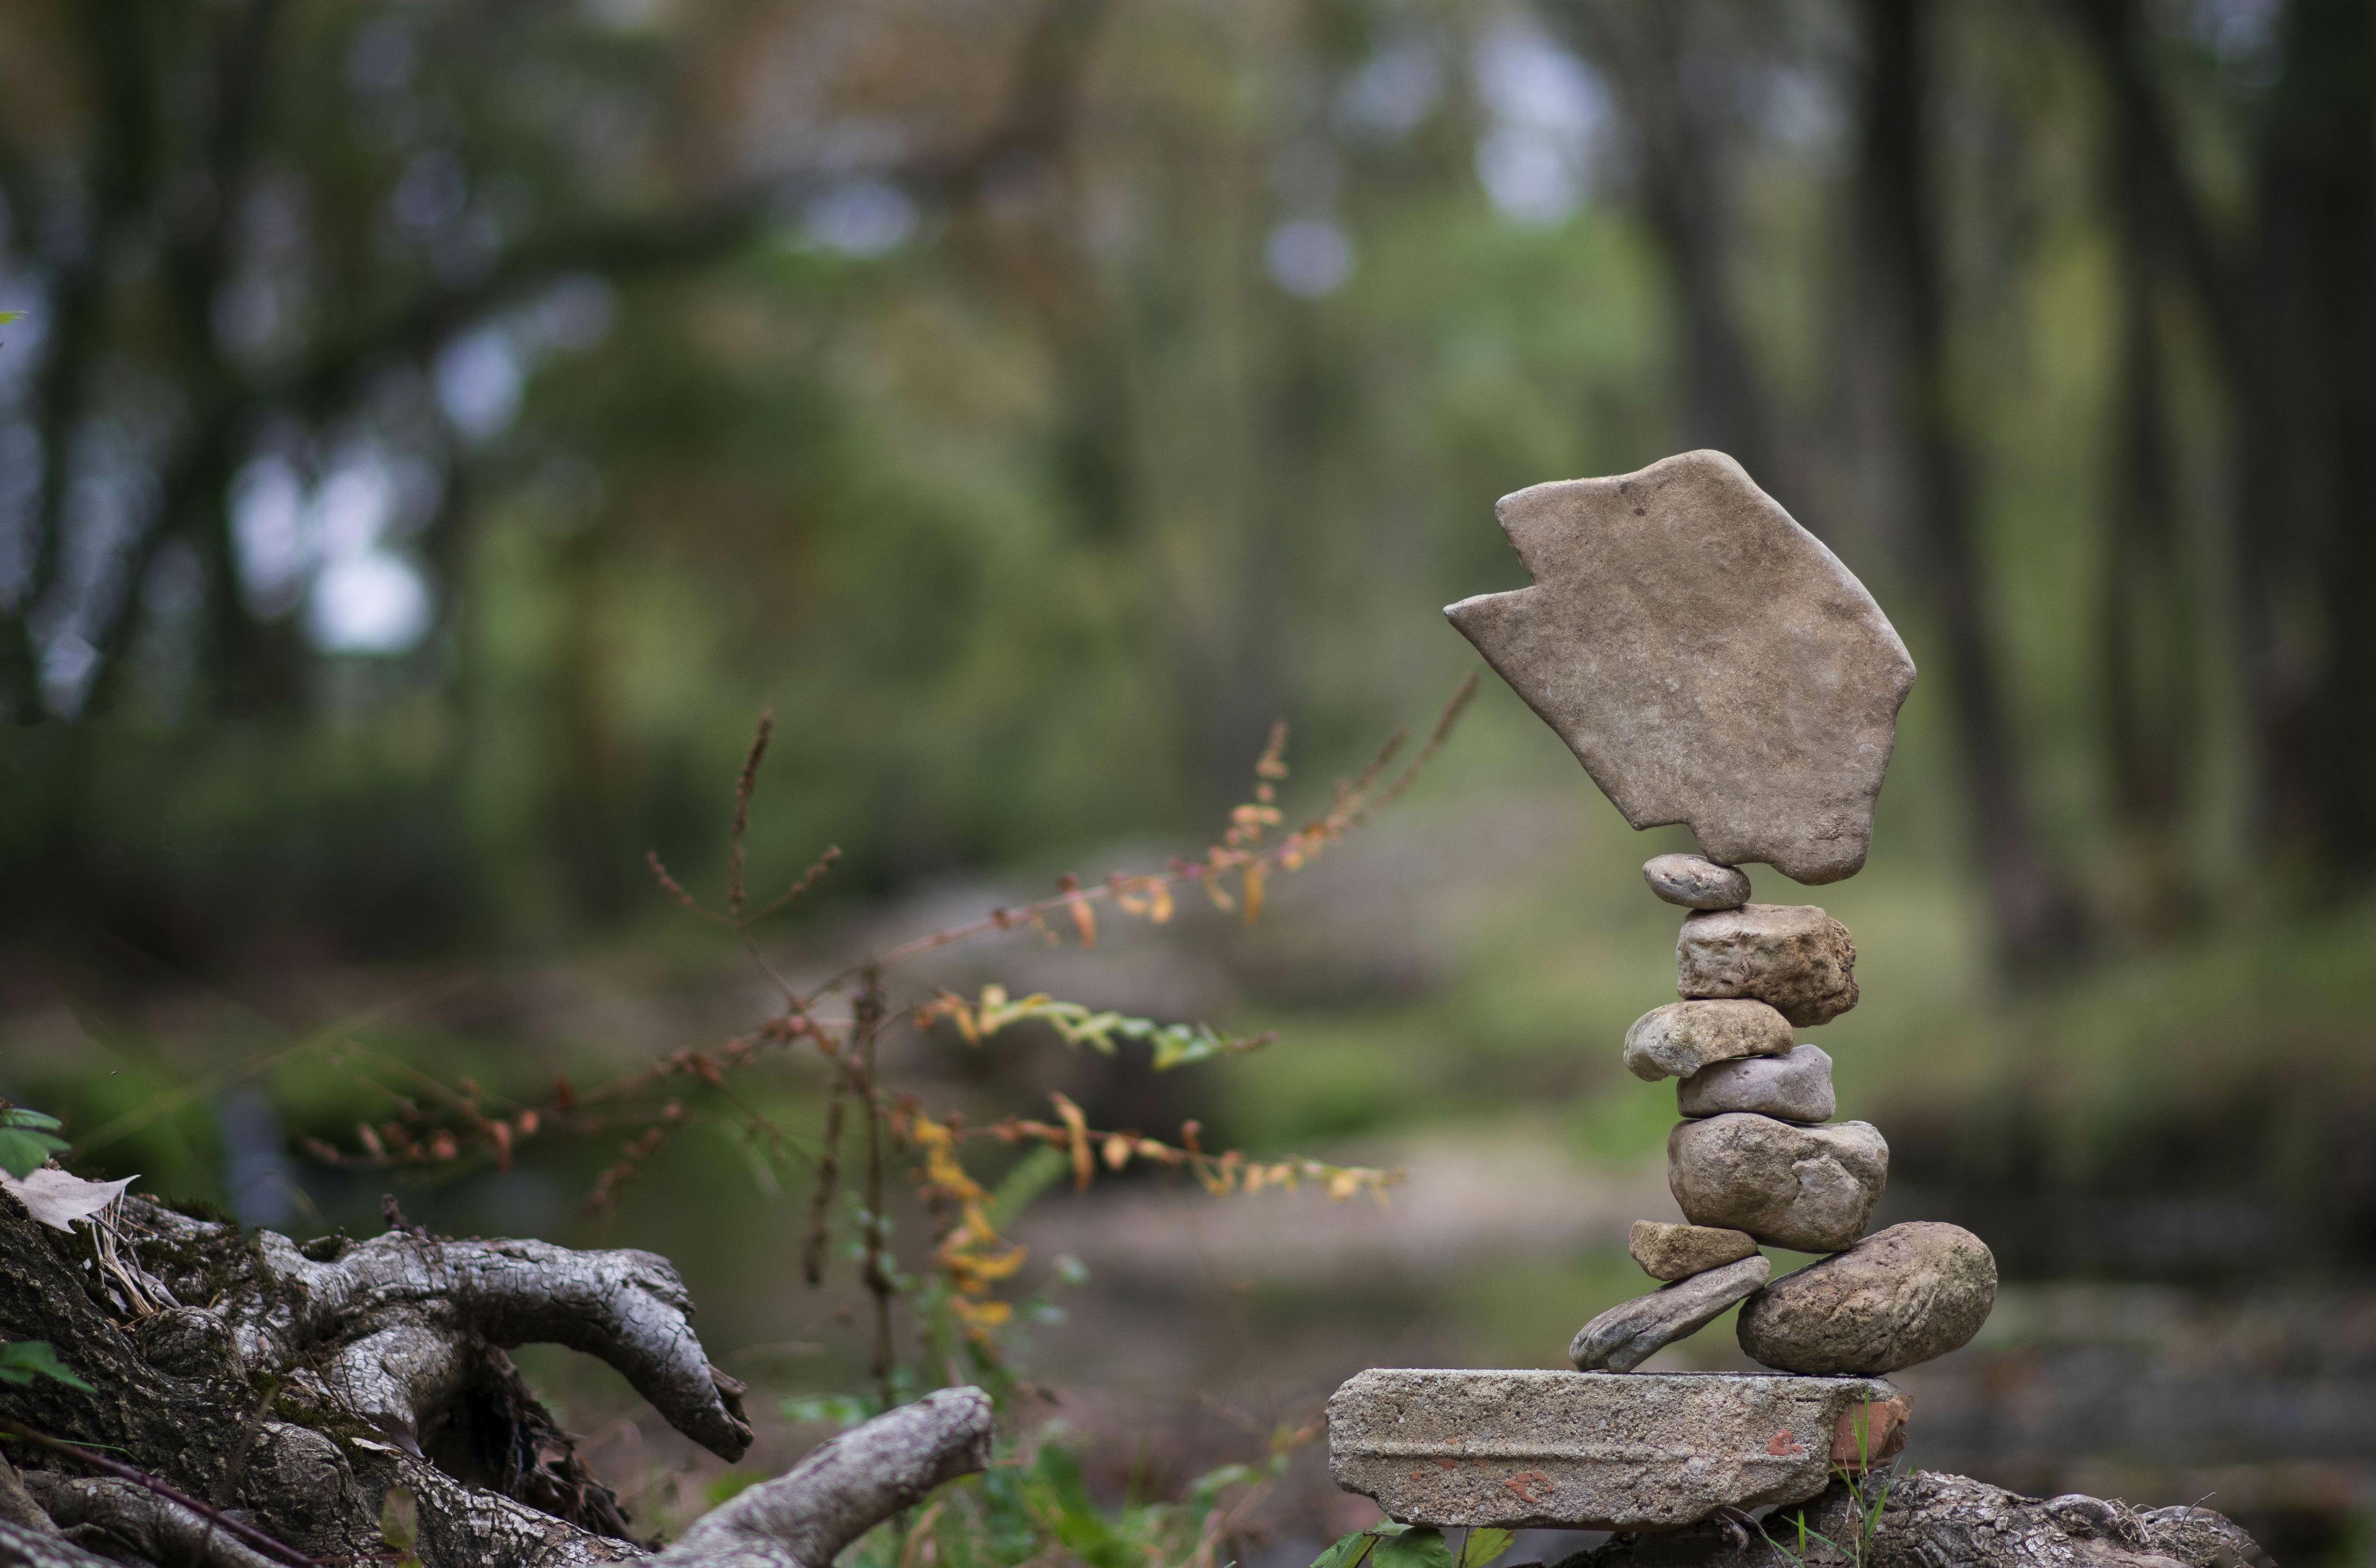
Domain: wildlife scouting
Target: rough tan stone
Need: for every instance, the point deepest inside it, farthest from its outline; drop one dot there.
(1706, 658)
(1797, 1088)
(1695, 881)
(1680, 1038)
(1585, 1450)
(1807, 1188)
(1631, 1331)
(1666, 1251)
(1907, 1294)
(1793, 956)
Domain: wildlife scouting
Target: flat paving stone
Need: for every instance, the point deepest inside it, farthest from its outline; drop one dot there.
(1589, 1451)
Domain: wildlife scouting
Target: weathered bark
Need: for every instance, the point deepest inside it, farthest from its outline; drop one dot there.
(1929, 1520)
(129, 1523)
(21, 1546)
(803, 1518)
(315, 1381)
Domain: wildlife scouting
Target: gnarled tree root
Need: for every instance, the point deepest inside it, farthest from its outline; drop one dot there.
(1941, 1521)
(294, 1388)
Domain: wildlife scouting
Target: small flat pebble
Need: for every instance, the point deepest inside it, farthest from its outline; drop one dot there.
(1625, 1336)
(1677, 1252)
(1797, 1088)
(1695, 881)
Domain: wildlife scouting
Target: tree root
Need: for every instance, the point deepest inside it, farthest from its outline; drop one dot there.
(302, 1387)
(1941, 1521)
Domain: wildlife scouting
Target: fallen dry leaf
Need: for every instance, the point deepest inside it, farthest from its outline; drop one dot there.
(57, 1200)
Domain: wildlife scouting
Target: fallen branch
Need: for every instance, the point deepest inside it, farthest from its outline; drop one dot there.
(803, 1518)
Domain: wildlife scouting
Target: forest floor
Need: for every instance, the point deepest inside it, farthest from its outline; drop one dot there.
(2173, 1159)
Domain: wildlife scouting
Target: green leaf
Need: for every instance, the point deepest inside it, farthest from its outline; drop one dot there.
(400, 1524)
(1032, 1175)
(838, 1409)
(17, 1116)
(21, 1361)
(1209, 1486)
(1420, 1547)
(1178, 1045)
(22, 1152)
(1348, 1552)
(1483, 1546)
(729, 1486)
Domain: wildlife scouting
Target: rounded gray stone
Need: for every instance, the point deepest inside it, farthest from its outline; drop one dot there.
(1706, 658)
(1797, 1088)
(1695, 881)
(1810, 1189)
(1792, 955)
(1681, 1038)
(1587, 1451)
(1677, 1252)
(1901, 1296)
(1631, 1331)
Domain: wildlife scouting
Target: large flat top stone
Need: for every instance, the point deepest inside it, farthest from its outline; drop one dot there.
(1705, 657)
(1600, 1451)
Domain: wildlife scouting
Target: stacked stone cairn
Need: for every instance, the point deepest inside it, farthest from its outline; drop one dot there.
(1712, 664)
(1757, 1160)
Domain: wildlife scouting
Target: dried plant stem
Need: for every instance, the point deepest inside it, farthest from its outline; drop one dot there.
(743, 784)
(1353, 808)
(813, 1256)
(866, 1032)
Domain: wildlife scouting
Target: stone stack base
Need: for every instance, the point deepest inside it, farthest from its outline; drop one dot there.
(1601, 1450)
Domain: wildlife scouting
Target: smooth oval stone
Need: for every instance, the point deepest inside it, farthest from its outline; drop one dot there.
(1680, 1038)
(1797, 1088)
(1792, 955)
(1910, 1293)
(1811, 1189)
(1627, 1334)
(1678, 1252)
(1695, 881)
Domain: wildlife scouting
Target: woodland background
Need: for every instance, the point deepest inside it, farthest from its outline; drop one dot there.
(434, 431)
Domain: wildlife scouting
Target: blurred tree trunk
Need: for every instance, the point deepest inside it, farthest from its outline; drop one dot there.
(2305, 512)
(2038, 926)
(2290, 316)
(116, 51)
(1684, 182)
(2148, 623)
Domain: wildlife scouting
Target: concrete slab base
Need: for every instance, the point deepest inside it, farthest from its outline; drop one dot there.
(1609, 1451)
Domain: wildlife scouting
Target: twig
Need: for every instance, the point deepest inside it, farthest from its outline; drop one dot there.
(1352, 809)
(275, 1549)
(867, 1027)
(813, 1256)
(743, 784)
